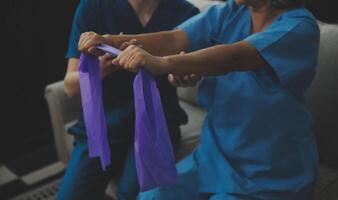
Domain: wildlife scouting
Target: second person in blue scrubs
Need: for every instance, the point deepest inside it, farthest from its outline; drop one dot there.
(258, 58)
(84, 178)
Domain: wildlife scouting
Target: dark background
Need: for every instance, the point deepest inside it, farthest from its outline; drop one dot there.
(34, 36)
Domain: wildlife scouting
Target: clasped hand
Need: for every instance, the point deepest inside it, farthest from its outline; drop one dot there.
(132, 58)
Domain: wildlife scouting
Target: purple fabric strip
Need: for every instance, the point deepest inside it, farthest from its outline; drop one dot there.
(155, 162)
(154, 155)
(93, 113)
(108, 49)
(92, 106)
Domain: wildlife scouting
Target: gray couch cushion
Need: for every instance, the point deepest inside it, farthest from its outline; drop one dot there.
(322, 97)
(188, 94)
(196, 117)
(62, 110)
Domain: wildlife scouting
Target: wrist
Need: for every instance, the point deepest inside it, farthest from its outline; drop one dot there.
(108, 39)
(171, 65)
(112, 40)
(165, 65)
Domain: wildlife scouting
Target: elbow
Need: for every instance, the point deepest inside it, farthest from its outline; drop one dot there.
(179, 41)
(69, 89)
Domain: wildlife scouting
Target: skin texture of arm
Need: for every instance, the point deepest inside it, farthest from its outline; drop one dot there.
(175, 41)
(71, 80)
(160, 44)
(216, 60)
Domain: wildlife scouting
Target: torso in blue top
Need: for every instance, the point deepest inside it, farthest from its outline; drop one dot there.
(114, 17)
(257, 139)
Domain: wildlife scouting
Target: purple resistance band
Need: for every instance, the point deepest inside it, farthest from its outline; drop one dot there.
(155, 162)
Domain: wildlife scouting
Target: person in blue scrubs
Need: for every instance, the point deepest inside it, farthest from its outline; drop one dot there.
(84, 177)
(257, 57)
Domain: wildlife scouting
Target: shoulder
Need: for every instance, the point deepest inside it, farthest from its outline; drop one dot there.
(298, 22)
(302, 17)
(296, 28)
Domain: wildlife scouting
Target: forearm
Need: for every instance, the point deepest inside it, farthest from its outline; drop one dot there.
(71, 84)
(215, 60)
(160, 44)
(71, 80)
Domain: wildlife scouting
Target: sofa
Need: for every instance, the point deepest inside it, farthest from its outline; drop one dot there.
(322, 100)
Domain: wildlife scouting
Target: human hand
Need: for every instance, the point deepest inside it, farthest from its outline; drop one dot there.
(107, 59)
(189, 80)
(128, 43)
(106, 64)
(88, 42)
(134, 57)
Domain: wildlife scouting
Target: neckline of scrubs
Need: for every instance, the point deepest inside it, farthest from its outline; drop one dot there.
(129, 11)
(278, 17)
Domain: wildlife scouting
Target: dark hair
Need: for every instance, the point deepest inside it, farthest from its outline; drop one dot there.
(287, 3)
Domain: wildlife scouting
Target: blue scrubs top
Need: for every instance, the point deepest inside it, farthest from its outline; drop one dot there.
(113, 17)
(257, 139)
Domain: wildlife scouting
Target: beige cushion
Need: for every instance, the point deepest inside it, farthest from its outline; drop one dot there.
(188, 94)
(62, 110)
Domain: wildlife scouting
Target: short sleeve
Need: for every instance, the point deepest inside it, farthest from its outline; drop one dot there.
(289, 46)
(84, 20)
(202, 27)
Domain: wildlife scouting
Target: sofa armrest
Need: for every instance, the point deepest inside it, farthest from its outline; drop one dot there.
(62, 110)
(69, 107)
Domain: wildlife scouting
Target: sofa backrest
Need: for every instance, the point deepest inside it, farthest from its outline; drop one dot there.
(322, 97)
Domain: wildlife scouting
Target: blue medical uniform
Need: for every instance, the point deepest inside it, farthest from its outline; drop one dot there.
(257, 139)
(84, 178)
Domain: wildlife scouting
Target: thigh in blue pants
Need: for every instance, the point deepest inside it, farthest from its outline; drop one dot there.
(84, 178)
(186, 188)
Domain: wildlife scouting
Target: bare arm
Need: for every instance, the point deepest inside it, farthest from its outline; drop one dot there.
(160, 44)
(71, 80)
(216, 60)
